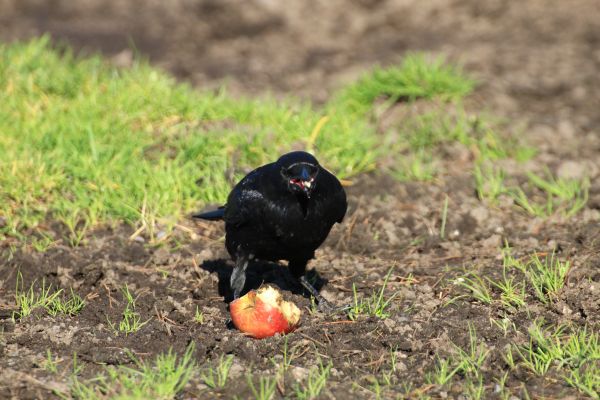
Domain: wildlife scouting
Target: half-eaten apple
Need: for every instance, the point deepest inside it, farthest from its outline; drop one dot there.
(263, 313)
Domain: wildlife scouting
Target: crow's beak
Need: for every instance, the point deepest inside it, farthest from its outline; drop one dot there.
(306, 185)
(305, 175)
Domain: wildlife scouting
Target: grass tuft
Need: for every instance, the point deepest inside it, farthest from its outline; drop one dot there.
(374, 306)
(575, 355)
(131, 320)
(69, 305)
(555, 195)
(216, 377)
(315, 382)
(265, 389)
(164, 378)
(52, 301)
(415, 78)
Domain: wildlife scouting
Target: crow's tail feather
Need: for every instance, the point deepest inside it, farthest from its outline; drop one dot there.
(214, 215)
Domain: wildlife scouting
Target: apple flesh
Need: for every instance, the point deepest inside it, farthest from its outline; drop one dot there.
(263, 313)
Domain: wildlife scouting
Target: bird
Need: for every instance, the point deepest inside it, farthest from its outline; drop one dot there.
(283, 210)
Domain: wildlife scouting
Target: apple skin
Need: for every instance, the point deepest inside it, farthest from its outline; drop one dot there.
(263, 313)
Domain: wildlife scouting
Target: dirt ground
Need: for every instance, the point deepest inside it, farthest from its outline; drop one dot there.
(537, 64)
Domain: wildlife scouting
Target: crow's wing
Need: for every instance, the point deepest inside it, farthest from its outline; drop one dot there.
(335, 195)
(246, 201)
(340, 200)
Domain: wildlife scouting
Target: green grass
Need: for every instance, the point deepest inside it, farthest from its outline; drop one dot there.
(573, 354)
(415, 78)
(544, 277)
(586, 378)
(478, 287)
(264, 389)
(85, 143)
(50, 363)
(443, 372)
(539, 197)
(555, 195)
(163, 378)
(489, 182)
(547, 275)
(376, 305)
(54, 302)
(467, 363)
(27, 300)
(427, 131)
(315, 382)
(470, 361)
(199, 316)
(216, 377)
(131, 320)
(71, 304)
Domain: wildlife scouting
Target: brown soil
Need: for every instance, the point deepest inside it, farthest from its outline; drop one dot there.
(537, 65)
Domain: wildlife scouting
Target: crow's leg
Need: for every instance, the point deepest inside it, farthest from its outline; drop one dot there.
(298, 270)
(238, 276)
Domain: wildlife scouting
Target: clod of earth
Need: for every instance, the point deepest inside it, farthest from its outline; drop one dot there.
(263, 313)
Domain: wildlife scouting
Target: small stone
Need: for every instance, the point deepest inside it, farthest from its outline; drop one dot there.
(493, 241)
(480, 214)
(299, 373)
(571, 170)
(236, 370)
(390, 323)
(566, 129)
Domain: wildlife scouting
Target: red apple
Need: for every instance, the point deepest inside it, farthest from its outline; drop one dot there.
(263, 313)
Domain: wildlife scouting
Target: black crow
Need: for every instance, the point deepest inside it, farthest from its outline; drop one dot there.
(281, 211)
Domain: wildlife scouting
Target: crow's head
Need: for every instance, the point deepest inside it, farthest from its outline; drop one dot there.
(299, 170)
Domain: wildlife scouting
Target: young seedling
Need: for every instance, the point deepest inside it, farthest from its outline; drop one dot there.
(501, 386)
(443, 372)
(131, 320)
(315, 383)
(471, 360)
(28, 300)
(388, 376)
(216, 377)
(376, 305)
(199, 316)
(282, 362)
(71, 305)
(467, 362)
(512, 294)
(547, 276)
(475, 389)
(51, 363)
(479, 288)
(568, 196)
(586, 379)
(489, 182)
(549, 347)
(266, 387)
(504, 324)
